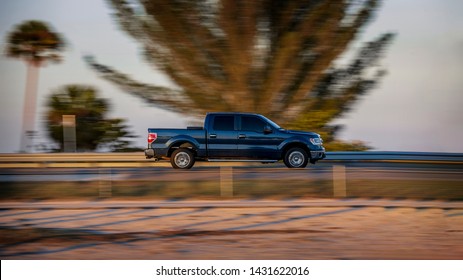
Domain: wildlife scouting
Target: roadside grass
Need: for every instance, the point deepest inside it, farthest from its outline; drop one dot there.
(242, 189)
(406, 189)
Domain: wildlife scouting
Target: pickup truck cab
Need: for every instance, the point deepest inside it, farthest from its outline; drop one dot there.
(234, 137)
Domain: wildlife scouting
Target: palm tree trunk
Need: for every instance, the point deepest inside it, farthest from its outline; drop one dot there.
(30, 104)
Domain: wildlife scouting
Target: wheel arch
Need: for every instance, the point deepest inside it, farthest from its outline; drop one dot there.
(184, 143)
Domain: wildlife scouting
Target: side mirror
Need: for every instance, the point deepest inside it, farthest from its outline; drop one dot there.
(267, 129)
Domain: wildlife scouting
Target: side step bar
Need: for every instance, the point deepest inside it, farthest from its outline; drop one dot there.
(242, 160)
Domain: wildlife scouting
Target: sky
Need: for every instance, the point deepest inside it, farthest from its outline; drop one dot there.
(416, 107)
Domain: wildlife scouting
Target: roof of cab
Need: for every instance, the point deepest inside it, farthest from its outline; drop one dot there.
(232, 113)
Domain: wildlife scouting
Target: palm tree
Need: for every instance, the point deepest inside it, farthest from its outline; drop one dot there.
(275, 57)
(35, 43)
(93, 129)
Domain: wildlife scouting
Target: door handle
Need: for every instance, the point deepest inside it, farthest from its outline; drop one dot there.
(242, 136)
(212, 135)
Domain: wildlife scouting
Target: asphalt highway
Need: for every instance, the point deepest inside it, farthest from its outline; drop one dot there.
(365, 170)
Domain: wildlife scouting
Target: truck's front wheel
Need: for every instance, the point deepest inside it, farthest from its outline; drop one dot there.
(296, 158)
(182, 159)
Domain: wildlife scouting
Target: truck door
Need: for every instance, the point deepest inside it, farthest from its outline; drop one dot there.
(222, 137)
(257, 139)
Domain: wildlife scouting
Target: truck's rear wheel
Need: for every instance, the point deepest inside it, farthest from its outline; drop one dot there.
(296, 158)
(182, 159)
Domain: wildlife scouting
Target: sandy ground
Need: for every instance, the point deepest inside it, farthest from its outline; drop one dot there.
(300, 232)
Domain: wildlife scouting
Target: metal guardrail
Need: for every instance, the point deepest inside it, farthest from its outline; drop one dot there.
(84, 160)
(137, 159)
(71, 157)
(394, 156)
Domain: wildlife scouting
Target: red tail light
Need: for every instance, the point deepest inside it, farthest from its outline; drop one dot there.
(152, 137)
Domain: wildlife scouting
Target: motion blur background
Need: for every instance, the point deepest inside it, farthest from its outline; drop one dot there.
(365, 74)
(416, 106)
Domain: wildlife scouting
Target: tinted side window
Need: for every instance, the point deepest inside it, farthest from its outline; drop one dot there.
(249, 123)
(224, 123)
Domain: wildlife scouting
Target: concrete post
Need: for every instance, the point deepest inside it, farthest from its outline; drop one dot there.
(226, 181)
(339, 181)
(105, 183)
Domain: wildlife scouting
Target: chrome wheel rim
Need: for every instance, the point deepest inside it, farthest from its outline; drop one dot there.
(182, 159)
(296, 159)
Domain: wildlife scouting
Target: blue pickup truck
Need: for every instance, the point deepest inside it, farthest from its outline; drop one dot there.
(234, 137)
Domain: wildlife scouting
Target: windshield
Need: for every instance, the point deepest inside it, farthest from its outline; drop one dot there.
(271, 122)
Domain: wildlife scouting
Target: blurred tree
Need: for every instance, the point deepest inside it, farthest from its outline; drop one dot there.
(93, 130)
(34, 42)
(273, 57)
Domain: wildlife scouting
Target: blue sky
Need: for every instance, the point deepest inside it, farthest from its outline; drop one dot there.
(416, 107)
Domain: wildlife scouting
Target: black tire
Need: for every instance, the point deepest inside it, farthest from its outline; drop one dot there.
(182, 159)
(296, 158)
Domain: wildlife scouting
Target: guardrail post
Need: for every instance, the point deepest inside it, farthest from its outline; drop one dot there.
(105, 183)
(226, 181)
(339, 181)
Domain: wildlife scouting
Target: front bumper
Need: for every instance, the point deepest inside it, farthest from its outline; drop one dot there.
(317, 154)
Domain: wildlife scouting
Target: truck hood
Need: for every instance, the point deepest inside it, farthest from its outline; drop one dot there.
(305, 133)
